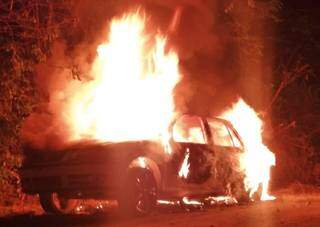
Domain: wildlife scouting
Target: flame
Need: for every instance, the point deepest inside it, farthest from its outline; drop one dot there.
(130, 96)
(184, 170)
(257, 158)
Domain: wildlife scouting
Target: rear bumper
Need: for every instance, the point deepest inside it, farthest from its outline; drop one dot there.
(74, 180)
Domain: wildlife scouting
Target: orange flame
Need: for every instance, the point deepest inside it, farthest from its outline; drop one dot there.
(130, 97)
(184, 170)
(257, 158)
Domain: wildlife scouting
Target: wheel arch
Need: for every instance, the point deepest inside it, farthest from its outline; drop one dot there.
(148, 164)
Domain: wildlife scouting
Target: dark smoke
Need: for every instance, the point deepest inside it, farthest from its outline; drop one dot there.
(202, 36)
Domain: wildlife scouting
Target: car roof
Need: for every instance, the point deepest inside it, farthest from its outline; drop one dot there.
(217, 118)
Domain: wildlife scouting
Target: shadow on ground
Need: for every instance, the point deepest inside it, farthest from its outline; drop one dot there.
(61, 220)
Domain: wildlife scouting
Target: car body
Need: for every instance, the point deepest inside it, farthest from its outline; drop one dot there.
(202, 157)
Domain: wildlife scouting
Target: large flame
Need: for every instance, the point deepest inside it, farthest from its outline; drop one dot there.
(130, 97)
(257, 158)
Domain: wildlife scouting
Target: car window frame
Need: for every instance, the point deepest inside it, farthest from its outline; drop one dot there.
(211, 133)
(202, 127)
(236, 134)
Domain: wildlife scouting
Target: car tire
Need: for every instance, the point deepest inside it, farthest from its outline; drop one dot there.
(139, 194)
(52, 203)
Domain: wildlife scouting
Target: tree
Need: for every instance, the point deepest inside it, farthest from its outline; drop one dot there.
(295, 106)
(27, 30)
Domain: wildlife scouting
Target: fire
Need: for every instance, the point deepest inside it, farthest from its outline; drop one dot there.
(130, 96)
(187, 201)
(257, 158)
(184, 170)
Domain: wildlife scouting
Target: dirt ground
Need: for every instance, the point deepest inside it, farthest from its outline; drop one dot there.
(288, 210)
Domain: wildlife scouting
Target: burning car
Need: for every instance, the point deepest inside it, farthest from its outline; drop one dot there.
(201, 158)
(125, 141)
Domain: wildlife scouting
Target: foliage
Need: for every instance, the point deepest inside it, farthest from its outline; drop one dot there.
(296, 102)
(27, 31)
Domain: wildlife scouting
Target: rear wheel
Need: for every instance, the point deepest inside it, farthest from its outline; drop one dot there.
(139, 195)
(54, 204)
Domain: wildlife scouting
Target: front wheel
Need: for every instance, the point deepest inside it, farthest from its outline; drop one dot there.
(52, 203)
(139, 195)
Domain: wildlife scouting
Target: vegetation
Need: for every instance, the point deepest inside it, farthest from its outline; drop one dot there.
(27, 31)
(296, 101)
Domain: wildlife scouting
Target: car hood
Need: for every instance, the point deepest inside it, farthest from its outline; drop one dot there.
(91, 152)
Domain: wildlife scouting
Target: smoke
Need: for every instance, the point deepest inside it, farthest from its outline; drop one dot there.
(199, 31)
(46, 126)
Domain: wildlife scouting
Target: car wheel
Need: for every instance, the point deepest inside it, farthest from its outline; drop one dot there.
(139, 195)
(52, 203)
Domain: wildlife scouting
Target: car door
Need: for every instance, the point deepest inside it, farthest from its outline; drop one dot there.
(190, 164)
(227, 149)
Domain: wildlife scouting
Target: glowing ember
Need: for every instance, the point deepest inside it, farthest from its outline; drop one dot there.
(187, 201)
(130, 97)
(184, 170)
(226, 200)
(257, 158)
(167, 202)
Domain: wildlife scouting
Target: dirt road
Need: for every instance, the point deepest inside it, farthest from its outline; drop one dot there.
(299, 210)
